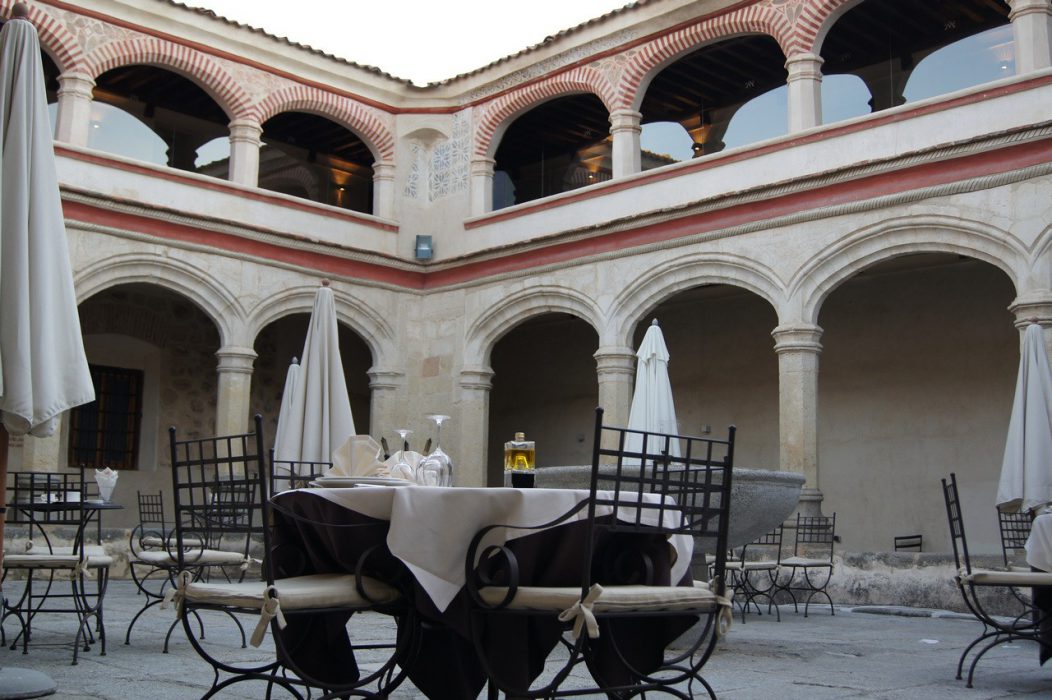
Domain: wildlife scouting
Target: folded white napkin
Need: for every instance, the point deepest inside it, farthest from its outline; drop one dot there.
(359, 456)
(107, 480)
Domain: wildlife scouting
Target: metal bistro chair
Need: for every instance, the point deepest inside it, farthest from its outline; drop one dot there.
(45, 504)
(811, 567)
(235, 464)
(971, 582)
(617, 601)
(1015, 529)
(753, 572)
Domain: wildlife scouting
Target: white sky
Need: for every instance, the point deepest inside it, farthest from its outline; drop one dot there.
(419, 40)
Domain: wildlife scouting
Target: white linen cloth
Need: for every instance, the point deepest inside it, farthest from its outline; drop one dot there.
(318, 420)
(1026, 473)
(43, 370)
(431, 527)
(652, 409)
(1039, 544)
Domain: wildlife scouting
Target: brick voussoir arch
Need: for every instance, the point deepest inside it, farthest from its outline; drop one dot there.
(501, 111)
(815, 20)
(754, 19)
(375, 132)
(196, 66)
(55, 39)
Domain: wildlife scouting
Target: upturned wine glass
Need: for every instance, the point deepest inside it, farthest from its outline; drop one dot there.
(437, 467)
(402, 468)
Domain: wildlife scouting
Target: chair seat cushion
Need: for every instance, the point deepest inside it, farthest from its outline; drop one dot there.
(155, 542)
(982, 577)
(205, 557)
(804, 561)
(54, 561)
(612, 599)
(37, 548)
(315, 591)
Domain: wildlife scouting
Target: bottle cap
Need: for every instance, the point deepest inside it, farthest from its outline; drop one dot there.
(519, 437)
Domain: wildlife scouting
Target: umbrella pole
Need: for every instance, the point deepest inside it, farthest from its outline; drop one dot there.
(16, 682)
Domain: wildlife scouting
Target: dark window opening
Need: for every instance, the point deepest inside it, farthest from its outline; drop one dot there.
(105, 432)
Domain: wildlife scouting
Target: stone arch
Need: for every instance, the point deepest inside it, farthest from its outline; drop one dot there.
(655, 55)
(218, 303)
(375, 132)
(499, 113)
(817, 18)
(54, 37)
(361, 318)
(674, 276)
(193, 65)
(817, 279)
(484, 332)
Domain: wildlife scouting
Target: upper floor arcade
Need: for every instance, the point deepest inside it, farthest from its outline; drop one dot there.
(687, 106)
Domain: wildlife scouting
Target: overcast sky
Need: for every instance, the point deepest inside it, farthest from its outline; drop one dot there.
(419, 40)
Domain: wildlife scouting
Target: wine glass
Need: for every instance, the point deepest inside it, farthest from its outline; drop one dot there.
(402, 468)
(437, 467)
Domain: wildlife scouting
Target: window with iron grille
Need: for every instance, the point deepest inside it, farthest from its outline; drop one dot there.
(105, 432)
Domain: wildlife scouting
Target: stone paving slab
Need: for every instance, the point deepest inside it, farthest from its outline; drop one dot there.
(898, 654)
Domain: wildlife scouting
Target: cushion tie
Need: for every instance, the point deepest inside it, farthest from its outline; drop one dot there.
(270, 610)
(175, 593)
(581, 613)
(725, 617)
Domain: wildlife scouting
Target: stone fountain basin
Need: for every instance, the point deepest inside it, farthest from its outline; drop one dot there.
(761, 500)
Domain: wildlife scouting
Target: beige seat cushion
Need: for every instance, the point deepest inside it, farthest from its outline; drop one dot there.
(54, 561)
(298, 593)
(154, 542)
(38, 548)
(206, 557)
(983, 577)
(804, 561)
(612, 599)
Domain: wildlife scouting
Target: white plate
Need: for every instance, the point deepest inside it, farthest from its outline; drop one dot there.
(343, 482)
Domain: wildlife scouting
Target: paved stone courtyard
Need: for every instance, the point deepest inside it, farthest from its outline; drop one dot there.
(868, 652)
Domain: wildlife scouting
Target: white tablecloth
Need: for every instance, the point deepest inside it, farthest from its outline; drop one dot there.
(1039, 544)
(431, 528)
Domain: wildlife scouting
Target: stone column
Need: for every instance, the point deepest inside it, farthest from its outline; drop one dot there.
(482, 185)
(383, 411)
(235, 383)
(244, 151)
(1032, 28)
(384, 189)
(625, 129)
(798, 349)
(1034, 308)
(470, 459)
(805, 91)
(73, 123)
(616, 368)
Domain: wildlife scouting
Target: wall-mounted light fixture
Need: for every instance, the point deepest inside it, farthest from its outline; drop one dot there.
(423, 249)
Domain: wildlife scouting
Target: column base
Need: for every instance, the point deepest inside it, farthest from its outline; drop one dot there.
(810, 504)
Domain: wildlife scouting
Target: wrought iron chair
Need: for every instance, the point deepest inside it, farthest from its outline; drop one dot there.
(53, 505)
(909, 543)
(753, 572)
(235, 464)
(972, 582)
(810, 569)
(615, 613)
(1015, 529)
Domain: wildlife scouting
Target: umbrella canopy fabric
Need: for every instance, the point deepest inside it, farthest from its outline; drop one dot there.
(1026, 473)
(316, 419)
(44, 370)
(284, 411)
(652, 407)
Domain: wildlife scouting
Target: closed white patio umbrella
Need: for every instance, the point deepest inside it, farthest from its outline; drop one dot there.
(315, 417)
(1026, 473)
(652, 407)
(43, 369)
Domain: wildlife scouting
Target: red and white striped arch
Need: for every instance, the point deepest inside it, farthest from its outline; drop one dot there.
(375, 132)
(55, 39)
(502, 111)
(816, 19)
(656, 54)
(194, 65)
